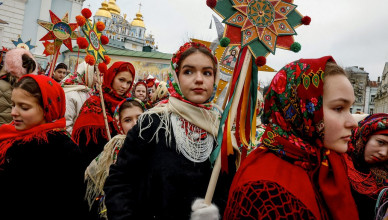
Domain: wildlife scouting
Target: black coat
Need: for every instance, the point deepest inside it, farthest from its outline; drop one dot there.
(42, 180)
(92, 149)
(152, 181)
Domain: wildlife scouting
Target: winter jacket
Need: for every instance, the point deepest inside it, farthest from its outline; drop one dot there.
(5, 102)
(74, 102)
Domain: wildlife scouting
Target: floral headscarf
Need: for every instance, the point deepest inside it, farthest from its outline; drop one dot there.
(116, 114)
(54, 103)
(173, 82)
(161, 93)
(367, 179)
(293, 107)
(83, 76)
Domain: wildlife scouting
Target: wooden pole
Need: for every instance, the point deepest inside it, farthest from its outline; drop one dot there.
(102, 103)
(217, 167)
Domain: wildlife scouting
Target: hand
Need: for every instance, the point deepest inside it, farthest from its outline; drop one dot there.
(202, 211)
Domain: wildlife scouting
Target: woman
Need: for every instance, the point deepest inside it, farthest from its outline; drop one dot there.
(17, 63)
(89, 130)
(367, 162)
(40, 166)
(160, 94)
(140, 91)
(125, 117)
(78, 87)
(297, 171)
(164, 163)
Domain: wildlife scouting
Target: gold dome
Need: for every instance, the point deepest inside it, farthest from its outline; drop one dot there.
(113, 8)
(103, 11)
(138, 21)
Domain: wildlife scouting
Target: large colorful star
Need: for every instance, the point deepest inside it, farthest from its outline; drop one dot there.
(25, 45)
(262, 25)
(93, 36)
(60, 30)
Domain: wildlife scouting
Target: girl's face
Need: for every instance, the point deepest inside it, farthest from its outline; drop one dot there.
(338, 97)
(26, 110)
(141, 92)
(196, 77)
(128, 117)
(59, 74)
(122, 82)
(376, 149)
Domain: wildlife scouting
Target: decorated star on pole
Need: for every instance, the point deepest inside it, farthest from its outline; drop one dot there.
(59, 30)
(261, 25)
(93, 36)
(25, 45)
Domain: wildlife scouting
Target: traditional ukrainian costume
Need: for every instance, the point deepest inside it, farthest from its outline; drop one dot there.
(40, 168)
(291, 175)
(89, 130)
(164, 163)
(367, 181)
(98, 170)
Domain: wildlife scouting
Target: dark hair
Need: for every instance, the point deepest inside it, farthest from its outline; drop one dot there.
(61, 66)
(31, 86)
(192, 50)
(28, 63)
(130, 104)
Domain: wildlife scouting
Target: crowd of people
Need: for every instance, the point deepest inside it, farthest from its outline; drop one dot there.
(80, 146)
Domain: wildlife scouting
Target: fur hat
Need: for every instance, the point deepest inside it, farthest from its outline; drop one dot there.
(13, 62)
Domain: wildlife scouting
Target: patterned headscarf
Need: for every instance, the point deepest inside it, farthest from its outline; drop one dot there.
(293, 107)
(161, 93)
(54, 103)
(367, 179)
(173, 82)
(116, 114)
(83, 76)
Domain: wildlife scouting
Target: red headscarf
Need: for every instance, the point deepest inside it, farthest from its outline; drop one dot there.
(54, 103)
(90, 117)
(367, 179)
(140, 82)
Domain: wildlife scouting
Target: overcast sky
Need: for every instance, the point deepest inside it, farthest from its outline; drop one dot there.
(354, 32)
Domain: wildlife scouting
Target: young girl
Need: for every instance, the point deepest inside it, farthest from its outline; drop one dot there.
(367, 162)
(297, 172)
(40, 166)
(164, 163)
(125, 117)
(17, 63)
(140, 91)
(89, 130)
(78, 87)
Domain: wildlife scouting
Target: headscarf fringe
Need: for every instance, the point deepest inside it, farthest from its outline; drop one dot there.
(97, 172)
(39, 136)
(91, 132)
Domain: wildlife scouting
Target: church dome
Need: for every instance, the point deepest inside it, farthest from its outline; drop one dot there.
(138, 21)
(113, 8)
(103, 11)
